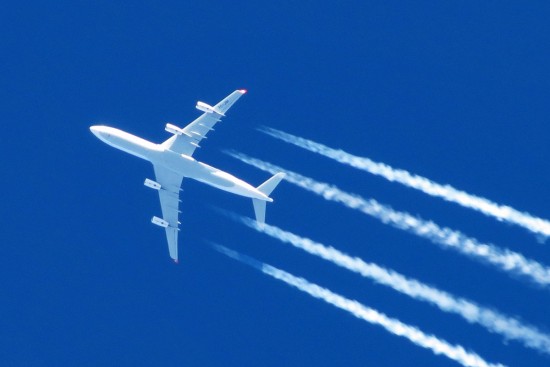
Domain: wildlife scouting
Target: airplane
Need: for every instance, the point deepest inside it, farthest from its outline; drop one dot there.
(173, 160)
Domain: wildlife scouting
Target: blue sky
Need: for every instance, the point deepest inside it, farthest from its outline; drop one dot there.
(454, 91)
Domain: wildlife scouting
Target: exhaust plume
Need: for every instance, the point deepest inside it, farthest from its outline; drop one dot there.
(508, 327)
(413, 334)
(503, 259)
(538, 226)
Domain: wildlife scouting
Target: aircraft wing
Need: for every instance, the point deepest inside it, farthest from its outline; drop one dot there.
(186, 140)
(169, 201)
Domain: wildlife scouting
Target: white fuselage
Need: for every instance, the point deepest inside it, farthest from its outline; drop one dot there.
(179, 163)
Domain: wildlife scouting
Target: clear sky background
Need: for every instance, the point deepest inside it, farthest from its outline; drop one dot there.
(454, 91)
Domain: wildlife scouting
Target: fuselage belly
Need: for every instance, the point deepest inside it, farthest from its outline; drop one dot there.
(179, 163)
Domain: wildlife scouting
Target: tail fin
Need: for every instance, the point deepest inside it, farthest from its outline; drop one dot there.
(265, 188)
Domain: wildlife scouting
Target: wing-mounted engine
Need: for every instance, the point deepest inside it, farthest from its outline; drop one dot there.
(204, 107)
(157, 186)
(193, 135)
(160, 222)
(173, 129)
(163, 223)
(152, 184)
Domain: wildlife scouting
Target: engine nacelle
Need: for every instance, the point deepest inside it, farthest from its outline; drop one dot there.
(173, 129)
(204, 107)
(152, 184)
(160, 222)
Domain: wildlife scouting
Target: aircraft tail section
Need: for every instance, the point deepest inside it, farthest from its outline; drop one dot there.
(266, 188)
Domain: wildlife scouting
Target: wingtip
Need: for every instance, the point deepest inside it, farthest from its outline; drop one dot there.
(243, 91)
(176, 261)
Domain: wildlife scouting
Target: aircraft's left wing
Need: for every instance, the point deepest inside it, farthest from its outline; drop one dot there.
(186, 140)
(169, 190)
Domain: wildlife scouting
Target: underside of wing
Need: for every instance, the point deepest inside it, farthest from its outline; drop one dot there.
(169, 190)
(186, 140)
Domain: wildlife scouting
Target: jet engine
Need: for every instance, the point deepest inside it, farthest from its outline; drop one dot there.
(204, 107)
(174, 129)
(160, 222)
(152, 184)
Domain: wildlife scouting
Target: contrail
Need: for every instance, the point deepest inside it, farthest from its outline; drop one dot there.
(413, 334)
(503, 259)
(505, 213)
(510, 328)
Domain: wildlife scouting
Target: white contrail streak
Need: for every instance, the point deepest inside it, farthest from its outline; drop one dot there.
(505, 213)
(503, 259)
(510, 328)
(413, 334)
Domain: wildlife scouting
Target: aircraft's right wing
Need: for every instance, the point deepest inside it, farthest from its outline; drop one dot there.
(170, 183)
(186, 140)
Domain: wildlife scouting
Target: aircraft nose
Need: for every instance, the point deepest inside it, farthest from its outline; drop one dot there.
(94, 130)
(98, 131)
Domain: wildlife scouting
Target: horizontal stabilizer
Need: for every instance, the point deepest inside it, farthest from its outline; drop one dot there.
(259, 210)
(268, 186)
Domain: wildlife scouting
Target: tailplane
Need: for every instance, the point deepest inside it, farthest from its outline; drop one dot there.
(259, 210)
(265, 188)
